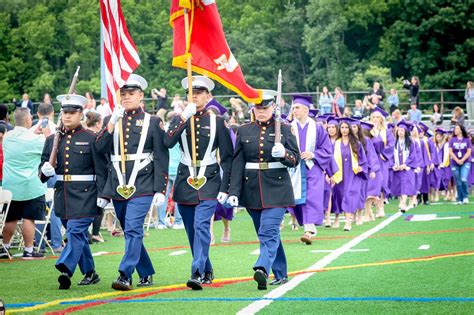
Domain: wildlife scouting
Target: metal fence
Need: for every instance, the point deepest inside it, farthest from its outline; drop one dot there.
(447, 99)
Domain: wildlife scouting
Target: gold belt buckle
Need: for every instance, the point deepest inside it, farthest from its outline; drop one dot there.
(67, 178)
(263, 166)
(127, 157)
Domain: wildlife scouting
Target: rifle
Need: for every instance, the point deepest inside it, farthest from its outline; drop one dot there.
(278, 110)
(54, 152)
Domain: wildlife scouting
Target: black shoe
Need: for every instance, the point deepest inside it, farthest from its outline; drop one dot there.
(32, 255)
(208, 277)
(122, 283)
(195, 282)
(90, 278)
(261, 277)
(64, 281)
(4, 253)
(279, 281)
(145, 281)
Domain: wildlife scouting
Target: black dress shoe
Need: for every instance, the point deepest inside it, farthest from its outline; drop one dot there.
(90, 278)
(195, 282)
(145, 281)
(122, 283)
(208, 277)
(261, 277)
(279, 281)
(64, 281)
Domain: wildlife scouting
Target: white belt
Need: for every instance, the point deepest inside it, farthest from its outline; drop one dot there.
(132, 157)
(263, 165)
(76, 178)
(199, 163)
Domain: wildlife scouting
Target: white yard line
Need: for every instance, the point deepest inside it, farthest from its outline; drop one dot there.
(178, 252)
(294, 282)
(332, 250)
(424, 247)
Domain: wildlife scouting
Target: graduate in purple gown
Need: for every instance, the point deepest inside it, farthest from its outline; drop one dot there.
(442, 153)
(316, 153)
(373, 170)
(223, 212)
(333, 132)
(352, 163)
(420, 162)
(404, 164)
(383, 141)
(428, 150)
(471, 175)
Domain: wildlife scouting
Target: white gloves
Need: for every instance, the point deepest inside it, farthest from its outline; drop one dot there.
(117, 114)
(102, 203)
(222, 197)
(158, 200)
(278, 151)
(48, 170)
(233, 201)
(189, 111)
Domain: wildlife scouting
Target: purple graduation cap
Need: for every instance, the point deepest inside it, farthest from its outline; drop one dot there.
(381, 111)
(390, 126)
(403, 124)
(216, 106)
(284, 118)
(366, 125)
(423, 127)
(332, 121)
(305, 100)
(346, 120)
(313, 112)
(441, 131)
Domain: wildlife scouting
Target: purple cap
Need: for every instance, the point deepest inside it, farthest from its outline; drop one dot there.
(215, 105)
(390, 126)
(441, 131)
(322, 118)
(333, 121)
(305, 100)
(381, 111)
(366, 125)
(284, 118)
(430, 133)
(313, 112)
(413, 126)
(423, 127)
(403, 124)
(346, 120)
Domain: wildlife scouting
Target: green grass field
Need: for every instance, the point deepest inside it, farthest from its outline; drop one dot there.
(384, 273)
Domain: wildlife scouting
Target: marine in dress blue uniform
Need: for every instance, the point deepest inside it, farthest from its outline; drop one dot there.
(261, 182)
(145, 179)
(80, 173)
(197, 190)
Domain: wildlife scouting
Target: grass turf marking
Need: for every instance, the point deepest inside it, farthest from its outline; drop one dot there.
(143, 292)
(294, 282)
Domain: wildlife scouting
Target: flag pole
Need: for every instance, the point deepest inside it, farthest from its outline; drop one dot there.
(121, 141)
(190, 91)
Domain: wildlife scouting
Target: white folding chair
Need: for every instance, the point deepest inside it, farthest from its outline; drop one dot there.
(151, 221)
(47, 220)
(5, 201)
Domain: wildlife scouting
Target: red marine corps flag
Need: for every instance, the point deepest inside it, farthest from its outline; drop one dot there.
(120, 54)
(207, 46)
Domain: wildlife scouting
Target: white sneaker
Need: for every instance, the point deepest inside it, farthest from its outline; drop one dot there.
(465, 201)
(178, 226)
(161, 227)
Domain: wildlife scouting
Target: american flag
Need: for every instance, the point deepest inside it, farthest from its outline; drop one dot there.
(120, 53)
